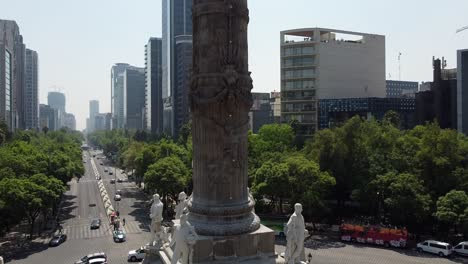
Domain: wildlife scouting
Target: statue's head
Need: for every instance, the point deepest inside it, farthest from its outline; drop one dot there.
(182, 196)
(298, 208)
(156, 198)
(183, 219)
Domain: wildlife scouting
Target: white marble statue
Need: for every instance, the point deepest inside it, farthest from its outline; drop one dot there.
(251, 198)
(184, 238)
(181, 206)
(295, 236)
(156, 219)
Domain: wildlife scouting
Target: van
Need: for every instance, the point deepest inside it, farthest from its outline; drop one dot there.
(435, 247)
(461, 248)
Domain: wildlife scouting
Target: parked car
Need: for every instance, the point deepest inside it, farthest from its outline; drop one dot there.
(119, 192)
(57, 240)
(119, 180)
(105, 170)
(95, 223)
(118, 236)
(110, 172)
(101, 163)
(136, 255)
(87, 258)
(112, 181)
(117, 197)
(461, 248)
(435, 247)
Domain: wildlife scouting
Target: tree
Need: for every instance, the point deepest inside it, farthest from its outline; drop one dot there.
(392, 118)
(452, 209)
(272, 180)
(168, 176)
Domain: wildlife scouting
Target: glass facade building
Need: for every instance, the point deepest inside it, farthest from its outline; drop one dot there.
(176, 63)
(397, 89)
(31, 93)
(153, 90)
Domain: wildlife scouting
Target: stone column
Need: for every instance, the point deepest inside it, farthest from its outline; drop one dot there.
(220, 102)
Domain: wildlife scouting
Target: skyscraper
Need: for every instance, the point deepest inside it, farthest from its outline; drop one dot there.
(31, 91)
(134, 98)
(11, 73)
(176, 62)
(93, 111)
(117, 94)
(70, 121)
(462, 91)
(153, 89)
(57, 101)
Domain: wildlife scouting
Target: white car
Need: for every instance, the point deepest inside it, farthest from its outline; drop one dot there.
(117, 197)
(461, 248)
(435, 247)
(136, 255)
(97, 261)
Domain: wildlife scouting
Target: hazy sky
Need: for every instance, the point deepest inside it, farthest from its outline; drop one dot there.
(79, 41)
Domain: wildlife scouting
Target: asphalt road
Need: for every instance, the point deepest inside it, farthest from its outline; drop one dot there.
(81, 204)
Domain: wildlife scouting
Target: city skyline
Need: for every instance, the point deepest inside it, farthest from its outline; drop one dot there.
(86, 76)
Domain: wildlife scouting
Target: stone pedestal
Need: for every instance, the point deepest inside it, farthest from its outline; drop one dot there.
(254, 247)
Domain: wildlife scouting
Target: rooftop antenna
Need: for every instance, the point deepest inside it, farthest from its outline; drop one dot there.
(399, 66)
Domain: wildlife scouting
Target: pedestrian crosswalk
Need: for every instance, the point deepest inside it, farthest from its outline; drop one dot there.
(84, 231)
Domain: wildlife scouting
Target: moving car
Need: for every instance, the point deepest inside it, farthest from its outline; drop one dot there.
(136, 255)
(97, 261)
(110, 172)
(57, 240)
(435, 247)
(101, 163)
(112, 181)
(95, 223)
(117, 197)
(119, 180)
(118, 236)
(105, 169)
(119, 192)
(461, 248)
(87, 258)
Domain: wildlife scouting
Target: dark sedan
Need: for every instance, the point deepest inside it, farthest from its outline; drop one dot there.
(96, 223)
(57, 240)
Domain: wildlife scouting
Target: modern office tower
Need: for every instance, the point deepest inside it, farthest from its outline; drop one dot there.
(275, 102)
(31, 91)
(153, 88)
(176, 63)
(462, 91)
(57, 101)
(99, 121)
(318, 63)
(108, 121)
(12, 52)
(48, 117)
(401, 89)
(333, 112)
(70, 121)
(117, 94)
(134, 98)
(260, 113)
(93, 108)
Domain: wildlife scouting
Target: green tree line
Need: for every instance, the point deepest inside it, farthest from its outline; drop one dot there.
(34, 170)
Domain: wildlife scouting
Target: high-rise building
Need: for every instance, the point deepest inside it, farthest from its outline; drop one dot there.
(401, 89)
(318, 63)
(134, 98)
(153, 88)
(462, 91)
(70, 121)
(117, 94)
(12, 52)
(260, 113)
(275, 102)
(31, 91)
(48, 117)
(57, 101)
(176, 63)
(99, 121)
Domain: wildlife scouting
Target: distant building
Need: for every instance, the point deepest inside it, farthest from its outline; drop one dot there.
(48, 117)
(260, 113)
(176, 63)
(70, 121)
(334, 112)
(134, 98)
(401, 89)
(462, 91)
(99, 122)
(57, 101)
(153, 88)
(31, 91)
(93, 111)
(425, 86)
(12, 51)
(318, 63)
(117, 94)
(108, 121)
(275, 103)
(440, 103)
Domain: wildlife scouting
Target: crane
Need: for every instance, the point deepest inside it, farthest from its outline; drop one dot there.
(461, 29)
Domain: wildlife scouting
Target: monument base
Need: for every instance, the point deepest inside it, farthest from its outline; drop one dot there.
(254, 247)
